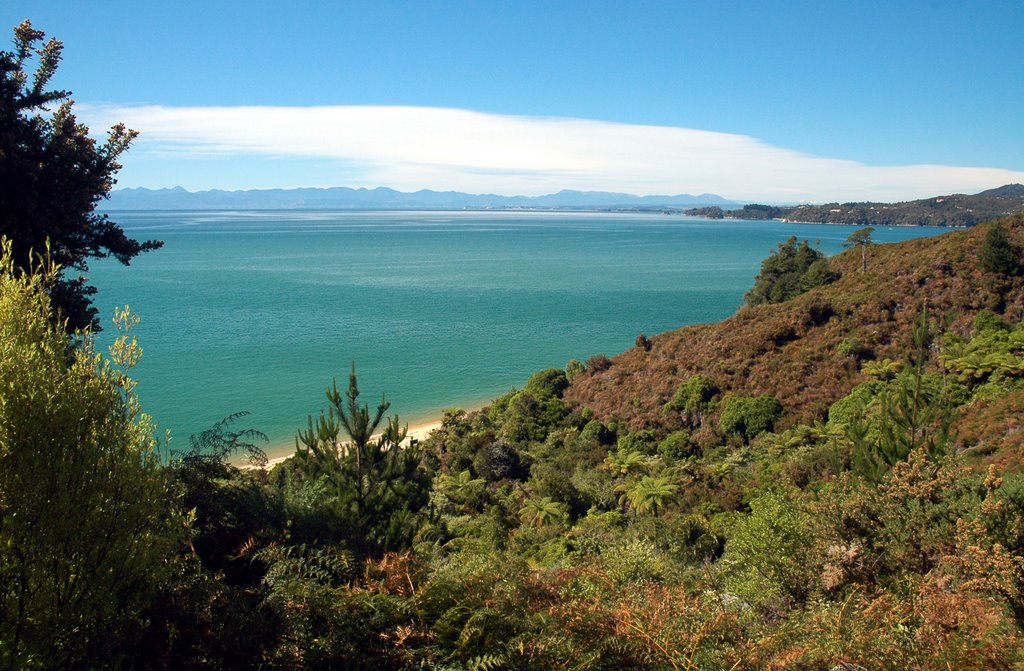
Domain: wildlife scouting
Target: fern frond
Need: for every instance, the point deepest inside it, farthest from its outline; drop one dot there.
(486, 662)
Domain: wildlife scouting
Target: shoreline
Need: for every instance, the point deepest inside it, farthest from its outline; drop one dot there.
(280, 453)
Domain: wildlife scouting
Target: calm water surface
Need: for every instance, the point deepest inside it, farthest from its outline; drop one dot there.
(259, 310)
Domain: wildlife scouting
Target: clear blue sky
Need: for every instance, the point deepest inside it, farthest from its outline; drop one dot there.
(878, 83)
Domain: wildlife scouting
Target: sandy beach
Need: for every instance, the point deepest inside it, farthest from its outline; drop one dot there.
(281, 453)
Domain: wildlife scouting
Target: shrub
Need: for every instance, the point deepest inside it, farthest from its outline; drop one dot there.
(633, 562)
(638, 441)
(988, 321)
(547, 383)
(853, 348)
(596, 433)
(598, 363)
(499, 461)
(526, 417)
(86, 515)
(769, 554)
(574, 368)
(749, 416)
(676, 445)
(694, 395)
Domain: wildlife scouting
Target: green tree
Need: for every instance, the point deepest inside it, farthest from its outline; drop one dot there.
(86, 523)
(677, 445)
(499, 460)
(53, 175)
(912, 412)
(379, 487)
(695, 398)
(789, 271)
(547, 383)
(998, 255)
(770, 553)
(861, 238)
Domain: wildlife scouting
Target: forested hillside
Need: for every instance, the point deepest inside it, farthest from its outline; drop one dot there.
(803, 485)
(832, 481)
(809, 351)
(952, 210)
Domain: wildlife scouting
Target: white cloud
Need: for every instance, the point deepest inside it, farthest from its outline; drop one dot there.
(410, 148)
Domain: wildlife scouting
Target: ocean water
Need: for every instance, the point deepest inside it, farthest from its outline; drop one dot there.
(260, 310)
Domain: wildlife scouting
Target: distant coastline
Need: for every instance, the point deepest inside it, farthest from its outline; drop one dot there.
(953, 211)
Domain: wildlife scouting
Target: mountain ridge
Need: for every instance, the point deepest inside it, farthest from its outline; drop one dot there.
(178, 198)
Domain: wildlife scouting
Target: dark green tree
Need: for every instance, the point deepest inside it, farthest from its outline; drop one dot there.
(789, 271)
(378, 485)
(547, 383)
(912, 413)
(998, 255)
(861, 238)
(749, 416)
(53, 175)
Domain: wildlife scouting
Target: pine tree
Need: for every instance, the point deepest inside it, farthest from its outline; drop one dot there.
(911, 415)
(379, 487)
(862, 239)
(998, 255)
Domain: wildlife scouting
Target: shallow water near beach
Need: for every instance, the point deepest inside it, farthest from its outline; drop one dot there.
(258, 310)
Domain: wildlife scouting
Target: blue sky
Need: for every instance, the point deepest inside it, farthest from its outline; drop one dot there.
(751, 100)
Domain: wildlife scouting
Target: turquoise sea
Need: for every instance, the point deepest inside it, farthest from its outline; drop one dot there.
(259, 310)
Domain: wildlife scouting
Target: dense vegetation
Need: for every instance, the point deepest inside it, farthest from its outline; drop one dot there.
(86, 525)
(953, 210)
(753, 211)
(830, 481)
(733, 526)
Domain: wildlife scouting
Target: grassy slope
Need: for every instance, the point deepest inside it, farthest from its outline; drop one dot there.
(790, 349)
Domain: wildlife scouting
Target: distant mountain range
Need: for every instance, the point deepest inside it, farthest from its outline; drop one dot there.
(953, 210)
(344, 198)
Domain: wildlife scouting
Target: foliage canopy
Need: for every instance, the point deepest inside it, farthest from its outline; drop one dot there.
(999, 255)
(789, 271)
(861, 238)
(85, 527)
(378, 486)
(53, 175)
